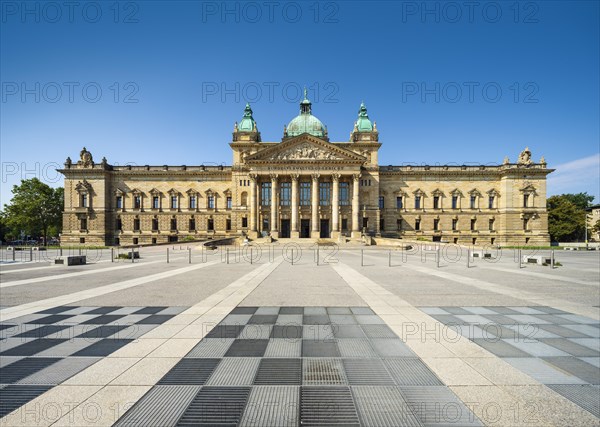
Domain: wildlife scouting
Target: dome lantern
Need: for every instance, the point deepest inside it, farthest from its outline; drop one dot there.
(305, 122)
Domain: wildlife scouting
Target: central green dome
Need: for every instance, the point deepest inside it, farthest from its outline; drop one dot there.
(305, 122)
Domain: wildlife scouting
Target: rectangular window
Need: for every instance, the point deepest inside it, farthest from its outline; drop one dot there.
(228, 201)
(417, 202)
(436, 224)
(210, 200)
(344, 223)
(491, 202)
(473, 224)
(454, 224)
(83, 224)
(381, 202)
(285, 194)
(454, 202)
(228, 224)
(192, 224)
(174, 202)
(135, 240)
(210, 224)
(84, 200)
(399, 204)
(265, 194)
(525, 224)
(324, 193)
(491, 225)
(417, 224)
(155, 202)
(119, 202)
(344, 190)
(305, 194)
(192, 202)
(526, 200)
(265, 224)
(473, 202)
(436, 202)
(173, 224)
(119, 224)
(136, 224)
(137, 202)
(381, 224)
(399, 224)
(244, 222)
(154, 224)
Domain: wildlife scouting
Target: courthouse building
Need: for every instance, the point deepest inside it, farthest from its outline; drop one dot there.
(305, 186)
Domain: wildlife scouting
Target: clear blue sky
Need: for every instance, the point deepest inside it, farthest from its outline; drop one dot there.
(172, 58)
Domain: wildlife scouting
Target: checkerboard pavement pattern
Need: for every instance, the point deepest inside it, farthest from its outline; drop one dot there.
(291, 366)
(42, 350)
(556, 348)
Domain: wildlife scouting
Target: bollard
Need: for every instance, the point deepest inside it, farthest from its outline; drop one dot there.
(390, 258)
(437, 257)
(132, 255)
(112, 254)
(13, 254)
(167, 255)
(552, 259)
(30, 254)
(292, 256)
(61, 251)
(361, 258)
(251, 256)
(317, 255)
(519, 258)
(468, 258)
(190, 255)
(227, 255)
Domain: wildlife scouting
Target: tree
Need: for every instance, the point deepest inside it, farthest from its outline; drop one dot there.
(566, 218)
(35, 208)
(581, 200)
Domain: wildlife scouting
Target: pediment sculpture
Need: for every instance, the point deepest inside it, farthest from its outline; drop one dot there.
(306, 152)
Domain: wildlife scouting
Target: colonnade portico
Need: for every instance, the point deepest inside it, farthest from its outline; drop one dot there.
(293, 212)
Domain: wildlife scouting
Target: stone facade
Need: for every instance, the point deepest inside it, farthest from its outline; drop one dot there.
(270, 189)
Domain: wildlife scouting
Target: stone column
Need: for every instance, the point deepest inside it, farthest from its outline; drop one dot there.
(315, 207)
(274, 210)
(294, 233)
(335, 207)
(355, 206)
(253, 229)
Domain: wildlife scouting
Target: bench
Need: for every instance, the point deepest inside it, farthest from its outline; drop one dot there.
(536, 259)
(71, 260)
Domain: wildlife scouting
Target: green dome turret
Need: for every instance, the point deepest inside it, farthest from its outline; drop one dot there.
(305, 122)
(247, 124)
(363, 124)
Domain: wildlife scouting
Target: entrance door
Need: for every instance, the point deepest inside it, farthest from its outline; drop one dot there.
(285, 229)
(305, 228)
(324, 229)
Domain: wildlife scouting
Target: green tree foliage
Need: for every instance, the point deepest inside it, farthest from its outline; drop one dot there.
(566, 216)
(35, 208)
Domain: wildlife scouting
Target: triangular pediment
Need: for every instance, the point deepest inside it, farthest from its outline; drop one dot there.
(305, 148)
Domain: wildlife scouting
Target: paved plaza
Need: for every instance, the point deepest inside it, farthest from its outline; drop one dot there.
(285, 335)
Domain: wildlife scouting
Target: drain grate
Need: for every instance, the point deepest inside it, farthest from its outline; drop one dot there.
(216, 406)
(103, 348)
(225, 331)
(23, 368)
(383, 407)
(247, 348)
(255, 332)
(289, 332)
(342, 319)
(59, 371)
(577, 367)
(327, 406)
(356, 348)
(190, 372)
(378, 331)
(44, 331)
(235, 371)
(369, 320)
(279, 372)
(272, 406)
(32, 347)
(14, 396)
(211, 347)
(317, 332)
(283, 348)
(411, 372)
(323, 372)
(348, 331)
(366, 372)
(161, 406)
(103, 319)
(54, 318)
(586, 396)
(319, 349)
(102, 331)
(391, 348)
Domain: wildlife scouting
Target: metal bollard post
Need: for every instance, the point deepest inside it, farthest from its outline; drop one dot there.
(60, 251)
(519, 258)
(292, 256)
(317, 255)
(552, 259)
(13, 251)
(251, 256)
(30, 254)
(167, 255)
(437, 257)
(132, 255)
(190, 255)
(227, 253)
(112, 254)
(361, 258)
(468, 258)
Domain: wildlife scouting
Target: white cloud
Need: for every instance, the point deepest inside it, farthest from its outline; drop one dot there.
(581, 175)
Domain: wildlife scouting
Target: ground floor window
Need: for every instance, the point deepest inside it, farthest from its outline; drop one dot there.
(82, 240)
(135, 240)
(399, 224)
(417, 224)
(265, 224)
(244, 222)
(228, 224)
(154, 240)
(344, 223)
(192, 224)
(210, 224)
